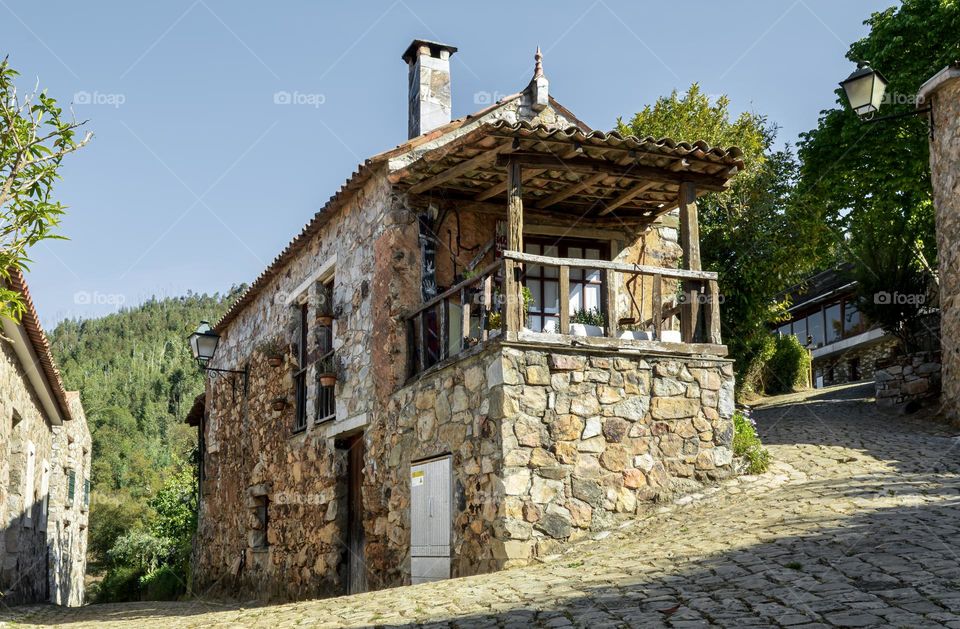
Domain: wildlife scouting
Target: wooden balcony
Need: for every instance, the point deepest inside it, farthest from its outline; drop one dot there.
(489, 306)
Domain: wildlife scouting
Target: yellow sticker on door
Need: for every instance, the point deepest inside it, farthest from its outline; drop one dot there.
(416, 478)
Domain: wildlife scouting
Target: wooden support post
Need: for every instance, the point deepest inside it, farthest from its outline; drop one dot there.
(421, 343)
(690, 243)
(711, 313)
(564, 300)
(656, 309)
(512, 287)
(613, 314)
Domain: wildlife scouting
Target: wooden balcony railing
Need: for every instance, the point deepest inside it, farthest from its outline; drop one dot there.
(467, 314)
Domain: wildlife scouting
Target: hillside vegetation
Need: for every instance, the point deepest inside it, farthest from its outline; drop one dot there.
(137, 382)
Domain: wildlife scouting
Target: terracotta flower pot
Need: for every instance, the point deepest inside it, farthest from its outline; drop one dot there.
(278, 404)
(274, 361)
(324, 320)
(328, 379)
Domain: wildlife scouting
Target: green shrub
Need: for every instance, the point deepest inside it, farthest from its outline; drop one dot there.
(747, 444)
(789, 367)
(163, 584)
(593, 316)
(141, 550)
(122, 584)
(752, 363)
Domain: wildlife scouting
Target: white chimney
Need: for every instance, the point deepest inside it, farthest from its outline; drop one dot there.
(429, 93)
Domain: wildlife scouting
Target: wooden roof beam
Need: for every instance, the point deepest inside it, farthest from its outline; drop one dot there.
(494, 190)
(636, 171)
(569, 191)
(455, 171)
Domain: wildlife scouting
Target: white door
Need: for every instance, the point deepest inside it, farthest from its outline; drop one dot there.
(431, 520)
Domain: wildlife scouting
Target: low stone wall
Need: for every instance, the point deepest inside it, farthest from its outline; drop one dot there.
(908, 378)
(867, 357)
(588, 439)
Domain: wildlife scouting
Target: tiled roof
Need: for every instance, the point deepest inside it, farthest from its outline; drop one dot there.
(41, 346)
(666, 147)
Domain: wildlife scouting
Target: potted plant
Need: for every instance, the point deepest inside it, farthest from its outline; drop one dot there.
(274, 350)
(278, 403)
(327, 370)
(323, 305)
(587, 322)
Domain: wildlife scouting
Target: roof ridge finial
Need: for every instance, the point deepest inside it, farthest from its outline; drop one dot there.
(538, 67)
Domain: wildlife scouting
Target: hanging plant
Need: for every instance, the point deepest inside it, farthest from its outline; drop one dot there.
(278, 403)
(327, 370)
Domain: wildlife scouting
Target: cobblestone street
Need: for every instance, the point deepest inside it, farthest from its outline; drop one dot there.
(856, 525)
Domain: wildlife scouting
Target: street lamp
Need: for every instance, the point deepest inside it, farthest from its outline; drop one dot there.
(203, 345)
(865, 89)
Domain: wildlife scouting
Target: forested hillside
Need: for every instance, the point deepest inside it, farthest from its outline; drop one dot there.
(137, 381)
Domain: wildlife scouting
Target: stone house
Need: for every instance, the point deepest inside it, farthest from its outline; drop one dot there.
(44, 469)
(480, 349)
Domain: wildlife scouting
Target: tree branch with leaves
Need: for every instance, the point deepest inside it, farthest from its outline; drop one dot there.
(35, 136)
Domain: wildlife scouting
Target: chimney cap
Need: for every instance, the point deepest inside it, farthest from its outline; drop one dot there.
(410, 54)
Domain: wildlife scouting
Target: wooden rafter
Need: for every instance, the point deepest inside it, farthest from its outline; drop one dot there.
(626, 198)
(569, 191)
(455, 171)
(635, 171)
(501, 187)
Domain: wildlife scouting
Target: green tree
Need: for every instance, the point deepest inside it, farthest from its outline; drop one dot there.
(752, 234)
(868, 175)
(34, 139)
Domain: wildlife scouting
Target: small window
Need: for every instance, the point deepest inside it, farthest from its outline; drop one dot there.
(300, 375)
(261, 512)
(71, 486)
(326, 367)
(86, 492)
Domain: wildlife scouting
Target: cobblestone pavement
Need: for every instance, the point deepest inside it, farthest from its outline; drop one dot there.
(857, 524)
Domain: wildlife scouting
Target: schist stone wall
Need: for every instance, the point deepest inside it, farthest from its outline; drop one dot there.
(943, 92)
(908, 378)
(68, 519)
(547, 446)
(589, 438)
(26, 446)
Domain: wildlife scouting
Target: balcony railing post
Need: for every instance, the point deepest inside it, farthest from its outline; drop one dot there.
(690, 243)
(712, 312)
(613, 316)
(656, 308)
(564, 299)
(511, 297)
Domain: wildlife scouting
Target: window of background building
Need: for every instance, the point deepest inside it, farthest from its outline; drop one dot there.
(852, 320)
(815, 329)
(834, 330)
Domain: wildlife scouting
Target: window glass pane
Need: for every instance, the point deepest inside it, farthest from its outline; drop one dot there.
(551, 325)
(576, 298)
(815, 329)
(834, 324)
(554, 252)
(575, 252)
(535, 323)
(800, 330)
(533, 270)
(784, 330)
(534, 286)
(594, 274)
(852, 321)
(551, 297)
(591, 297)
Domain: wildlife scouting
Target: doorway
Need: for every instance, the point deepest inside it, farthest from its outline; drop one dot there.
(355, 560)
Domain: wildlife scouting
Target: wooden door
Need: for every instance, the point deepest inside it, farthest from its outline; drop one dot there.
(356, 564)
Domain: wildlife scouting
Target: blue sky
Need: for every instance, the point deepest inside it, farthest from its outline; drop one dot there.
(197, 178)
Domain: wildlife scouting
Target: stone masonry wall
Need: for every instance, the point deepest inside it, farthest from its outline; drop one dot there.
(945, 175)
(908, 378)
(868, 356)
(443, 412)
(67, 529)
(23, 546)
(588, 439)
